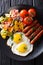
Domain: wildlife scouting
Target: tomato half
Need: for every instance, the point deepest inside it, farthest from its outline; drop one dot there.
(23, 13)
(28, 20)
(32, 12)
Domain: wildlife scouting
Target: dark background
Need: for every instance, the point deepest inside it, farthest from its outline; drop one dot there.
(6, 4)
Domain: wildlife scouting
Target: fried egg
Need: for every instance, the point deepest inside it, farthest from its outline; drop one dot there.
(20, 44)
(18, 37)
(10, 42)
(22, 49)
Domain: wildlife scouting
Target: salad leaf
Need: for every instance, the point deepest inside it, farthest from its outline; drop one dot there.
(1, 19)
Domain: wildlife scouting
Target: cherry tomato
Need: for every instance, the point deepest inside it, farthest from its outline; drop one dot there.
(23, 13)
(28, 20)
(32, 12)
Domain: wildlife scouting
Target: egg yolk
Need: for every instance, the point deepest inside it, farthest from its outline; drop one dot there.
(22, 48)
(17, 38)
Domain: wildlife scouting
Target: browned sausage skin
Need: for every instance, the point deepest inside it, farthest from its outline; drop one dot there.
(32, 29)
(28, 27)
(37, 37)
(35, 33)
(42, 33)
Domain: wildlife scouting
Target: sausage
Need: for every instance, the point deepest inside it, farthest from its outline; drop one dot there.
(28, 27)
(35, 33)
(42, 33)
(24, 25)
(32, 29)
(37, 37)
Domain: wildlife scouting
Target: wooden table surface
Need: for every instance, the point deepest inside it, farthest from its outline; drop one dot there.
(4, 60)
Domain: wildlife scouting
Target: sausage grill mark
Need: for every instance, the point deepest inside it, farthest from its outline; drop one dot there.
(32, 29)
(35, 33)
(28, 27)
(37, 37)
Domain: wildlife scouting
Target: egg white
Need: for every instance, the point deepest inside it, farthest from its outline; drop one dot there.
(10, 42)
(29, 49)
(14, 45)
(24, 39)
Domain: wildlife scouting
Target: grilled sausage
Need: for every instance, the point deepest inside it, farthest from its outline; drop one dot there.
(35, 33)
(28, 27)
(32, 29)
(42, 33)
(37, 37)
(24, 25)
